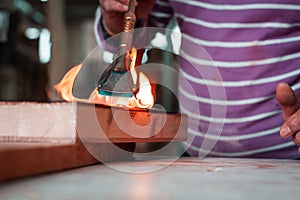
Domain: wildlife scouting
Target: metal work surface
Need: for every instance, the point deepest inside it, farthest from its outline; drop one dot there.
(187, 178)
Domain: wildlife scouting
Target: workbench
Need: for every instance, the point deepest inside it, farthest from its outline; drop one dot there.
(187, 178)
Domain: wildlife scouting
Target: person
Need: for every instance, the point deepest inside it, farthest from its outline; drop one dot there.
(255, 46)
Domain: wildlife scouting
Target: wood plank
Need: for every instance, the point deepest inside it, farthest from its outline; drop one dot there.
(24, 159)
(37, 122)
(42, 137)
(60, 123)
(107, 124)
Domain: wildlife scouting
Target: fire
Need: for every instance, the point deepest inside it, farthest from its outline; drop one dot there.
(64, 87)
(143, 99)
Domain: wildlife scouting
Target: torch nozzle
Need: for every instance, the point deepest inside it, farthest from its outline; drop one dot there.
(121, 61)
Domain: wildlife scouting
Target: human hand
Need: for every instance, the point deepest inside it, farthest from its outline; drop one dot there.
(113, 12)
(290, 105)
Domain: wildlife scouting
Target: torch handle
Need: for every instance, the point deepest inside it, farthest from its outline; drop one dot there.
(126, 36)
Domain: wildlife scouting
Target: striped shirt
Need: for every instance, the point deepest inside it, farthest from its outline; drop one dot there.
(233, 54)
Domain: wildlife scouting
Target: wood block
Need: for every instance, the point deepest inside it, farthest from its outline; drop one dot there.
(43, 137)
(107, 124)
(37, 122)
(63, 122)
(24, 159)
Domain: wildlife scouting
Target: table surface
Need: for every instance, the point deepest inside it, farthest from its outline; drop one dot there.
(186, 178)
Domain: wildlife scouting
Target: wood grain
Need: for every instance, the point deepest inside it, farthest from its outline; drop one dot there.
(63, 122)
(37, 138)
(116, 125)
(37, 122)
(24, 159)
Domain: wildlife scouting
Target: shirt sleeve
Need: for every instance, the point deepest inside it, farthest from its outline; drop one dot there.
(99, 35)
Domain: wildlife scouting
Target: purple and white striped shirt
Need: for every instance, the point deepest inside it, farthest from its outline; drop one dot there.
(253, 45)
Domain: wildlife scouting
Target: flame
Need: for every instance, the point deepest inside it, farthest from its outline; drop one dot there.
(143, 99)
(64, 87)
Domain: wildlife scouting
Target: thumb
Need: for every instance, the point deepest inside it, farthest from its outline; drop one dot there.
(287, 99)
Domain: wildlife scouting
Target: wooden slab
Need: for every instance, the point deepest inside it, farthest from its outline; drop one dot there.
(60, 123)
(43, 137)
(37, 122)
(107, 124)
(24, 159)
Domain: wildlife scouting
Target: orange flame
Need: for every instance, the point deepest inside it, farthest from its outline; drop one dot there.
(144, 98)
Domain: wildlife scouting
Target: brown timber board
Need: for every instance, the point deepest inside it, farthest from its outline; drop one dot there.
(24, 159)
(60, 123)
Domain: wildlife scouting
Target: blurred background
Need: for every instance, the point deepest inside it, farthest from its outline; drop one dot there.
(39, 41)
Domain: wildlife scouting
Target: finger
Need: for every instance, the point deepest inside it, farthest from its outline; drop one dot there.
(296, 139)
(287, 100)
(114, 5)
(291, 126)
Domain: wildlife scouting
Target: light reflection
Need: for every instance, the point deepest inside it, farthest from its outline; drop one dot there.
(45, 46)
(32, 33)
